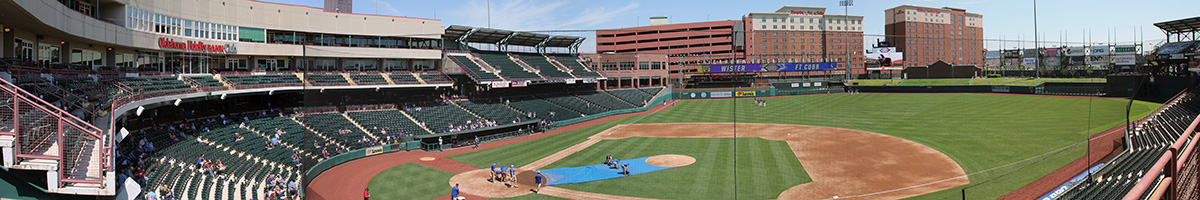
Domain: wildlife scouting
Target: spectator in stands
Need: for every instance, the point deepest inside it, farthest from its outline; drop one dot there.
(238, 137)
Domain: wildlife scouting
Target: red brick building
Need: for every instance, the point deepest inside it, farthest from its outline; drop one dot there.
(927, 35)
(805, 34)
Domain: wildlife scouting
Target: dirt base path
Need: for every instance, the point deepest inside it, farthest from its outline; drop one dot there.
(842, 162)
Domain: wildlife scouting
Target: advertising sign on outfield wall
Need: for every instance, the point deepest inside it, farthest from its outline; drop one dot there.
(1099, 50)
(1029, 62)
(1053, 61)
(500, 84)
(726, 94)
(1125, 59)
(745, 93)
(1052, 52)
(1076, 61)
(1074, 51)
(784, 67)
(1124, 49)
(992, 54)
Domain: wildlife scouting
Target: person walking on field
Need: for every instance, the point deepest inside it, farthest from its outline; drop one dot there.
(537, 179)
(476, 142)
(454, 193)
(366, 194)
(440, 144)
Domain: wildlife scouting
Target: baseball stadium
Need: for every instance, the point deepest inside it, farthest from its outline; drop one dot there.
(248, 99)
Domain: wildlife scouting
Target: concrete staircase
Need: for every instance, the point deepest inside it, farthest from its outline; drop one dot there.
(388, 78)
(415, 121)
(305, 81)
(360, 127)
(323, 137)
(348, 79)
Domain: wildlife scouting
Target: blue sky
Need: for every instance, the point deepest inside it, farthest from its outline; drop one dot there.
(1007, 19)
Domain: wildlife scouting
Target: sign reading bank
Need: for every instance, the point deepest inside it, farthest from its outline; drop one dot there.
(196, 46)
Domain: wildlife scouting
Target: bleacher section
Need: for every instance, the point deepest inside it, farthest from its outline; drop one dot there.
(434, 78)
(326, 79)
(570, 102)
(250, 80)
(635, 97)
(605, 100)
(389, 119)
(439, 118)
(652, 91)
(470, 65)
(335, 126)
(542, 109)
(538, 61)
(507, 67)
(403, 78)
(572, 62)
(154, 83)
(368, 79)
(492, 111)
(207, 81)
(1149, 141)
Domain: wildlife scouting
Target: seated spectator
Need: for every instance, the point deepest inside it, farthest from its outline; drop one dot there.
(239, 136)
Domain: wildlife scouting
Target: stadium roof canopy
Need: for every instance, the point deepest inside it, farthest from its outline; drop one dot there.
(1181, 28)
(467, 34)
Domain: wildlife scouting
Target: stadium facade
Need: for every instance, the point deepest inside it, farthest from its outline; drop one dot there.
(928, 35)
(202, 36)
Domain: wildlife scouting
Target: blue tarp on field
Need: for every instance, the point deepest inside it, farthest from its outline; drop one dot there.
(597, 172)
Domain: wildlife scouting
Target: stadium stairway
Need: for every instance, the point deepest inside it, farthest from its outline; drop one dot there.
(303, 79)
(360, 127)
(318, 134)
(635, 105)
(387, 78)
(468, 110)
(348, 79)
(419, 123)
(419, 79)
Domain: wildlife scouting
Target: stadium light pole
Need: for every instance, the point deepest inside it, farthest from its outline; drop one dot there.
(1038, 55)
(846, 23)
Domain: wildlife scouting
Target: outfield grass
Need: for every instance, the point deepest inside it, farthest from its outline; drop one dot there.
(410, 181)
(968, 81)
(979, 131)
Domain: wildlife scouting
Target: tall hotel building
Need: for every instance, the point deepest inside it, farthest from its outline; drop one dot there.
(790, 34)
(927, 35)
(805, 34)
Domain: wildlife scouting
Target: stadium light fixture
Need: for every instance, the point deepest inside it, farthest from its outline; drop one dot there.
(6, 29)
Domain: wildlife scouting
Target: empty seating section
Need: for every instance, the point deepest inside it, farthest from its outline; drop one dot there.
(637, 98)
(572, 62)
(369, 79)
(542, 109)
(478, 70)
(207, 81)
(154, 83)
(390, 119)
(434, 78)
(326, 79)
(264, 79)
(493, 111)
(440, 118)
(652, 91)
(605, 100)
(507, 67)
(1146, 145)
(570, 102)
(335, 126)
(403, 78)
(539, 62)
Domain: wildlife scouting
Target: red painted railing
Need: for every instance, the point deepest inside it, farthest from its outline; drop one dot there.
(1170, 164)
(38, 125)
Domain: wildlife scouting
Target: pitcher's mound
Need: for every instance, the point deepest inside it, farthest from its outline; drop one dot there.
(671, 160)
